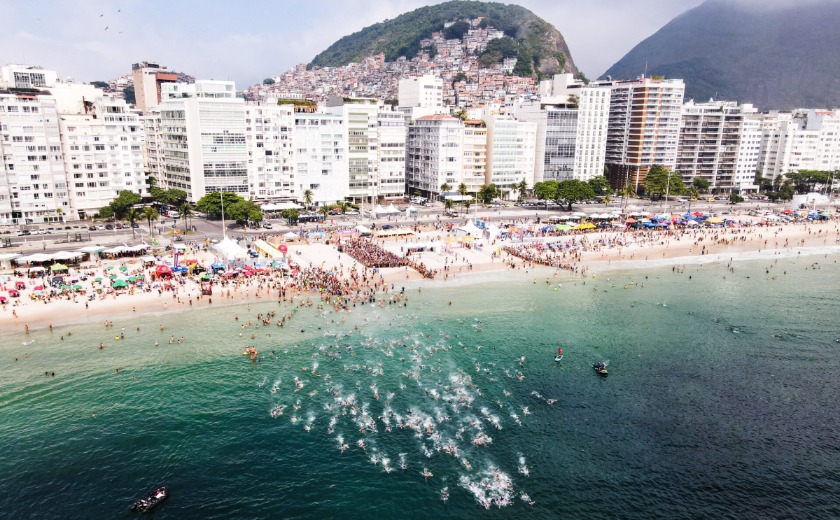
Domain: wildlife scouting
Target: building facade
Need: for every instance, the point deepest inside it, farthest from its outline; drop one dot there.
(511, 152)
(643, 129)
(202, 139)
(718, 143)
(148, 81)
(434, 154)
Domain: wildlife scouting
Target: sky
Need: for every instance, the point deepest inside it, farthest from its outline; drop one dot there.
(247, 41)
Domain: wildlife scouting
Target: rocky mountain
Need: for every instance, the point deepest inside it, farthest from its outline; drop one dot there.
(539, 47)
(776, 54)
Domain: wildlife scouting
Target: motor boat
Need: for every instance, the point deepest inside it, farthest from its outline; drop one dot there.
(601, 368)
(151, 500)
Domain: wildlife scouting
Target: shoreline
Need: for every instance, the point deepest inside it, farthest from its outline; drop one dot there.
(462, 267)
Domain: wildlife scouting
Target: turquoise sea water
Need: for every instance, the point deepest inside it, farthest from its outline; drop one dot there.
(721, 401)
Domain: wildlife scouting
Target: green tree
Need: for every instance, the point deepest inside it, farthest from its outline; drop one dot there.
(129, 96)
(124, 201)
(150, 214)
(324, 211)
(806, 181)
(735, 198)
(571, 191)
(487, 193)
(211, 204)
(307, 198)
(100, 84)
(105, 213)
(545, 190)
(342, 206)
(659, 179)
(445, 187)
(447, 205)
(291, 216)
(462, 191)
(600, 185)
(132, 215)
(522, 188)
(185, 212)
(786, 192)
(701, 184)
(243, 211)
(268, 81)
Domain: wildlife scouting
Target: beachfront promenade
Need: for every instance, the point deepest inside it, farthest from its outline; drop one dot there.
(339, 261)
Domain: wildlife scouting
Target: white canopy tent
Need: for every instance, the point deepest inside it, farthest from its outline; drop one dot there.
(363, 230)
(290, 236)
(379, 210)
(66, 255)
(392, 209)
(471, 229)
(230, 250)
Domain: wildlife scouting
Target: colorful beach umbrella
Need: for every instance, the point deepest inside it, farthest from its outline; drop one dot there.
(123, 268)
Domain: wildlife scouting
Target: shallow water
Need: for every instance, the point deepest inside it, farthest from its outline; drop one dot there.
(719, 402)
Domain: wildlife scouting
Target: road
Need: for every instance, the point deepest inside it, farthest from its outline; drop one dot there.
(207, 229)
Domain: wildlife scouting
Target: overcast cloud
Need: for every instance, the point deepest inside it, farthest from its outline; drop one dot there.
(248, 41)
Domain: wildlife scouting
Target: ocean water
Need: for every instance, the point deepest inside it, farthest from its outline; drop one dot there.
(721, 401)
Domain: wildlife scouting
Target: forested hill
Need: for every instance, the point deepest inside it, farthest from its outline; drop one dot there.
(774, 54)
(540, 44)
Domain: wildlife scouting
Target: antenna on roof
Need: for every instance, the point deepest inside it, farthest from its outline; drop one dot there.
(645, 73)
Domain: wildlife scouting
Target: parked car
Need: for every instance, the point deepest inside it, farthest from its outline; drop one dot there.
(267, 225)
(135, 225)
(109, 227)
(92, 228)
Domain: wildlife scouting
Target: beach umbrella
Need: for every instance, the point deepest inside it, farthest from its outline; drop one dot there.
(38, 288)
(123, 268)
(714, 220)
(109, 267)
(118, 284)
(58, 267)
(97, 279)
(112, 276)
(77, 287)
(65, 287)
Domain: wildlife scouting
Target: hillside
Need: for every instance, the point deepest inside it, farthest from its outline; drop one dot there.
(776, 55)
(540, 44)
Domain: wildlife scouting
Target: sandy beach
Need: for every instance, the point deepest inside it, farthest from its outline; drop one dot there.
(583, 254)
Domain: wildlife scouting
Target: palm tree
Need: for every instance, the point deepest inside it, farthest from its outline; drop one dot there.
(447, 205)
(522, 188)
(150, 214)
(307, 198)
(342, 206)
(445, 187)
(185, 211)
(325, 210)
(132, 215)
(462, 191)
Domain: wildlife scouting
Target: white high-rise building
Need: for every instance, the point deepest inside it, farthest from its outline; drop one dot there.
(805, 139)
(103, 153)
(644, 127)
(33, 184)
(271, 159)
(572, 120)
(320, 147)
(359, 116)
(718, 143)
(26, 76)
(434, 154)
(511, 152)
(421, 96)
(393, 132)
(202, 139)
(474, 147)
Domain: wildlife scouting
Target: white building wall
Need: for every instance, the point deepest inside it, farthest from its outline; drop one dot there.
(320, 144)
(510, 152)
(434, 153)
(423, 92)
(103, 154)
(33, 184)
(393, 133)
(270, 139)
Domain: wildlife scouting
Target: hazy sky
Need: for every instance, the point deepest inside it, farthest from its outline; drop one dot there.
(250, 40)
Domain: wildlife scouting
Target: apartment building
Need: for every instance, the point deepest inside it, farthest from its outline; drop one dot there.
(511, 153)
(474, 147)
(202, 139)
(103, 153)
(718, 142)
(805, 139)
(321, 158)
(434, 154)
(148, 81)
(269, 134)
(643, 128)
